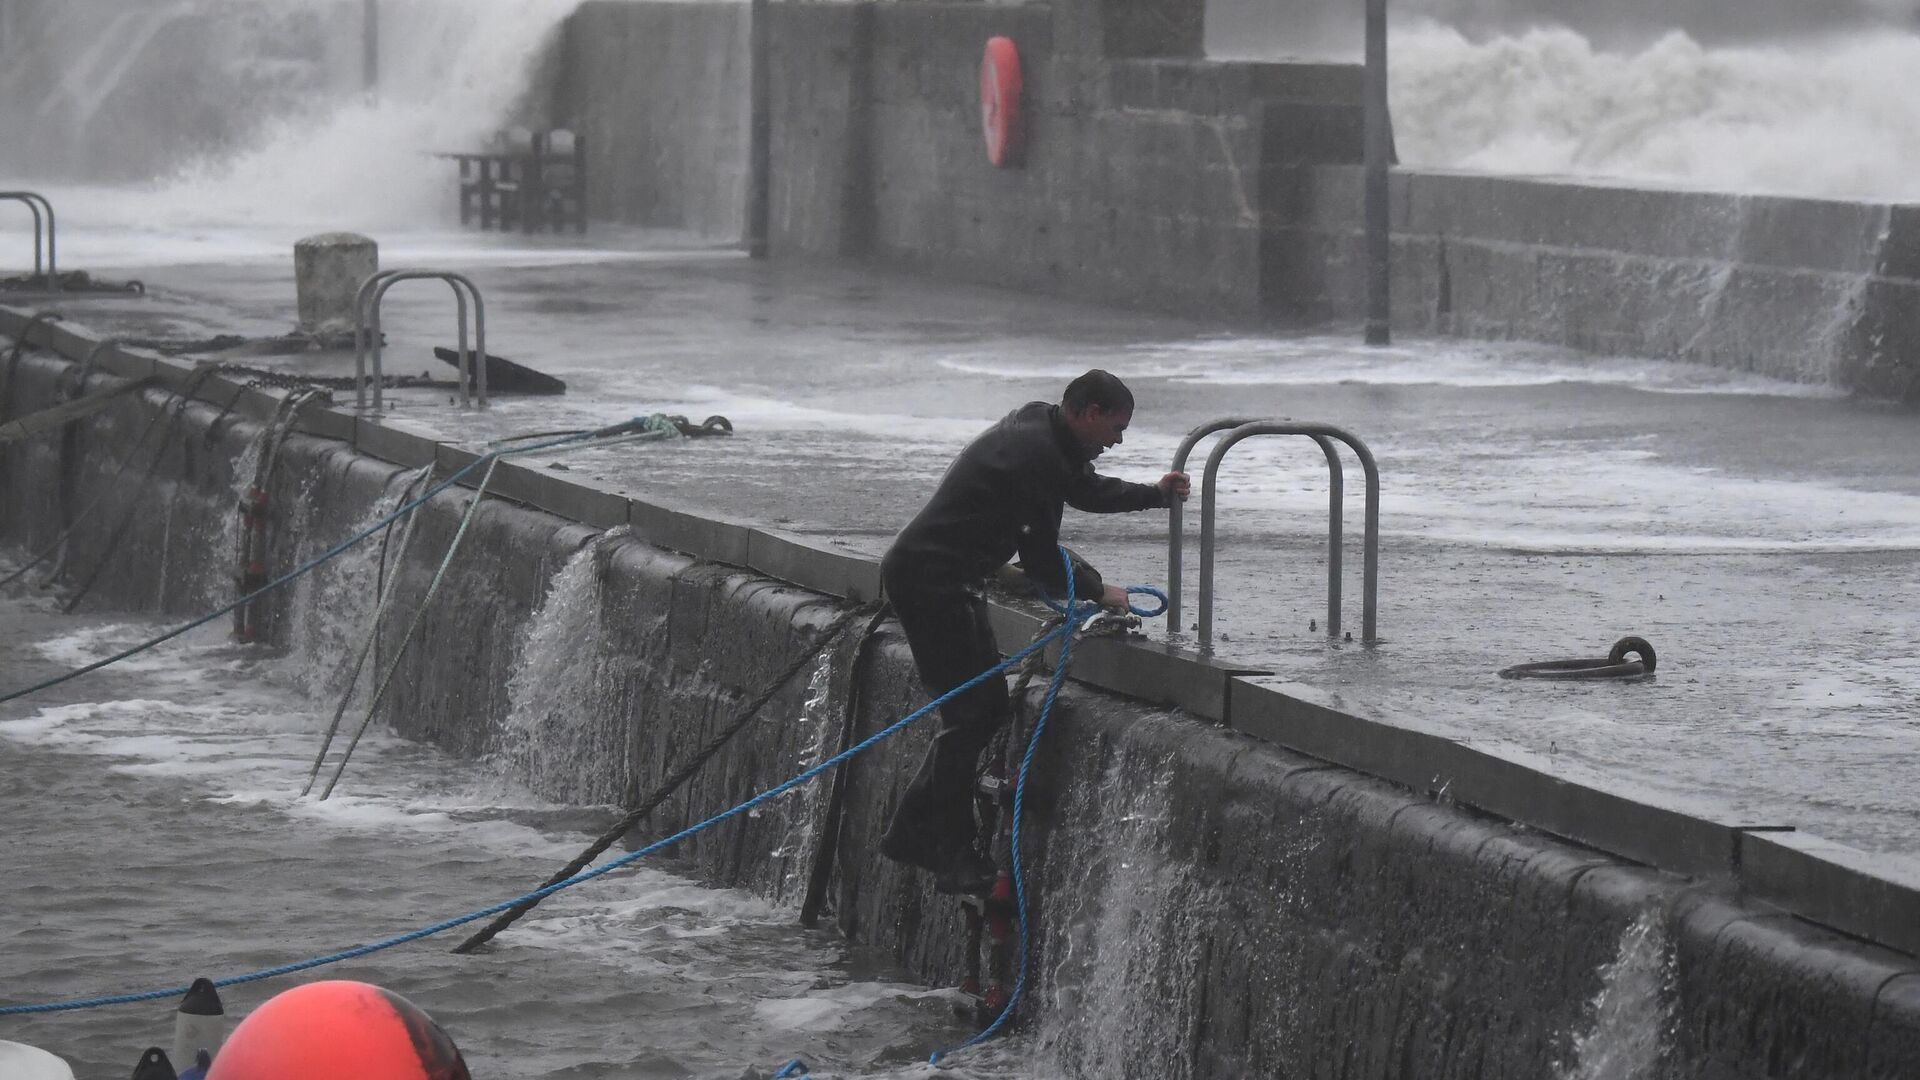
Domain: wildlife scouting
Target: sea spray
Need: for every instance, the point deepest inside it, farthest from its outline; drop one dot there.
(268, 118)
(1813, 118)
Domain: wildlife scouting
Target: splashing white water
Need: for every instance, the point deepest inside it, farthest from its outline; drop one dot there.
(451, 71)
(1630, 1013)
(1811, 118)
(332, 604)
(316, 154)
(555, 739)
(1125, 933)
(805, 806)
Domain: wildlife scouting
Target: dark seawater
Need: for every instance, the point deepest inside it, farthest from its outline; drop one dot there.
(154, 833)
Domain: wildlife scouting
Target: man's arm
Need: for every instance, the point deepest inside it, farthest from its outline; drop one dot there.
(1096, 494)
(1040, 558)
(1092, 493)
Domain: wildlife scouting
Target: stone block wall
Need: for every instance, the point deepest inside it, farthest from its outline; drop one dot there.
(1141, 181)
(1797, 289)
(660, 93)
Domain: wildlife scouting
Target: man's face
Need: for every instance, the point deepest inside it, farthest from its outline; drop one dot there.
(1098, 428)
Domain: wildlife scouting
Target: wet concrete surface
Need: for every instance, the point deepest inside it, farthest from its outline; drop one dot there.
(1536, 504)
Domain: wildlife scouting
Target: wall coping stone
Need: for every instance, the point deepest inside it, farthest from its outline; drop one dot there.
(707, 536)
(1876, 897)
(1486, 778)
(816, 565)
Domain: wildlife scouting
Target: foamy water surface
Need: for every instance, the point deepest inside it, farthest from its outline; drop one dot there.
(158, 834)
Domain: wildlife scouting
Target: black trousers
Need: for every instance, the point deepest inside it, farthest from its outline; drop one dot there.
(947, 629)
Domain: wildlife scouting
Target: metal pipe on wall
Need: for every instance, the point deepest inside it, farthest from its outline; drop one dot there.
(759, 128)
(370, 45)
(1378, 151)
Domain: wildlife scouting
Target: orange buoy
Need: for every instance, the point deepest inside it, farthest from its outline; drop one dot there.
(1000, 101)
(335, 1030)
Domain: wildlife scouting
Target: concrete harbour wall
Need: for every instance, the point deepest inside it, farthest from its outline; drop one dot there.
(1211, 904)
(659, 92)
(1153, 177)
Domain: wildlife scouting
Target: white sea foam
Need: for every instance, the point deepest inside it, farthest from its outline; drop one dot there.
(832, 1008)
(1329, 361)
(1810, 117)
(1798, 109)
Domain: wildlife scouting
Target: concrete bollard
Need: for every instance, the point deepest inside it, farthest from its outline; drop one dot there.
(327, 272)
(200, 1023)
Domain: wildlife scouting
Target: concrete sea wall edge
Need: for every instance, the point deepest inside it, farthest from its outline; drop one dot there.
(1265, 911)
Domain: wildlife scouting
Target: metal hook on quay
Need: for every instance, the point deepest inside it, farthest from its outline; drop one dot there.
(1614, 665)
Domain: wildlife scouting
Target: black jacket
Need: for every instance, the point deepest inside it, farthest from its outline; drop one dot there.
(1003, 495)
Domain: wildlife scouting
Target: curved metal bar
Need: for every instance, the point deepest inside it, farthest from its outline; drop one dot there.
(36, 202)
(1176, 512)
(1336, 520)
(473, 368)
(462, 287)
(361, 328)
(1320, 433)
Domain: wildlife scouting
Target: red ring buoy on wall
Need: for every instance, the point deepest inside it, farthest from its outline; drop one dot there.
(1000, 101)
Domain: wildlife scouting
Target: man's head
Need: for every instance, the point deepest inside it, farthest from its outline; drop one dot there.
(1098, 407)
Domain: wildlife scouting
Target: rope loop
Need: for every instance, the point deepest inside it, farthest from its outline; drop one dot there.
(1147, 590)
(1085, 608)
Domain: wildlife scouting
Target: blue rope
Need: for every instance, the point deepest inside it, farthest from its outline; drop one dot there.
(1132, 590)
(796, 1067)
(1019, 802)
(1064, 632)
(617, 429)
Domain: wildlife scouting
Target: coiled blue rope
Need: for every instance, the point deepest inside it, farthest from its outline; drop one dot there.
(636, 424)
(1064, 632)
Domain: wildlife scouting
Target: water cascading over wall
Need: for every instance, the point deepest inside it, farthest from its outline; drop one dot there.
(1207, 905)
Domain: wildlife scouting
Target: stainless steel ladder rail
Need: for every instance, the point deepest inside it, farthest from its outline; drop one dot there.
(1176, 524)
(367, 335)
(1324, 435)
(1176, 511)
(37, 202)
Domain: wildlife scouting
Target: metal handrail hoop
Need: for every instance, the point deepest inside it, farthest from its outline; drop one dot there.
(1176, 523)
(1324, 435)
(1176, 510)
(367, 334)
(37, 202)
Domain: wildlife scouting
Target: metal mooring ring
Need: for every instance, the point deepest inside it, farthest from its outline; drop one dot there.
(1615, 666)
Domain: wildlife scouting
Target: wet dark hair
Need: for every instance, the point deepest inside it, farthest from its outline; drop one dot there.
(1096, 387)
